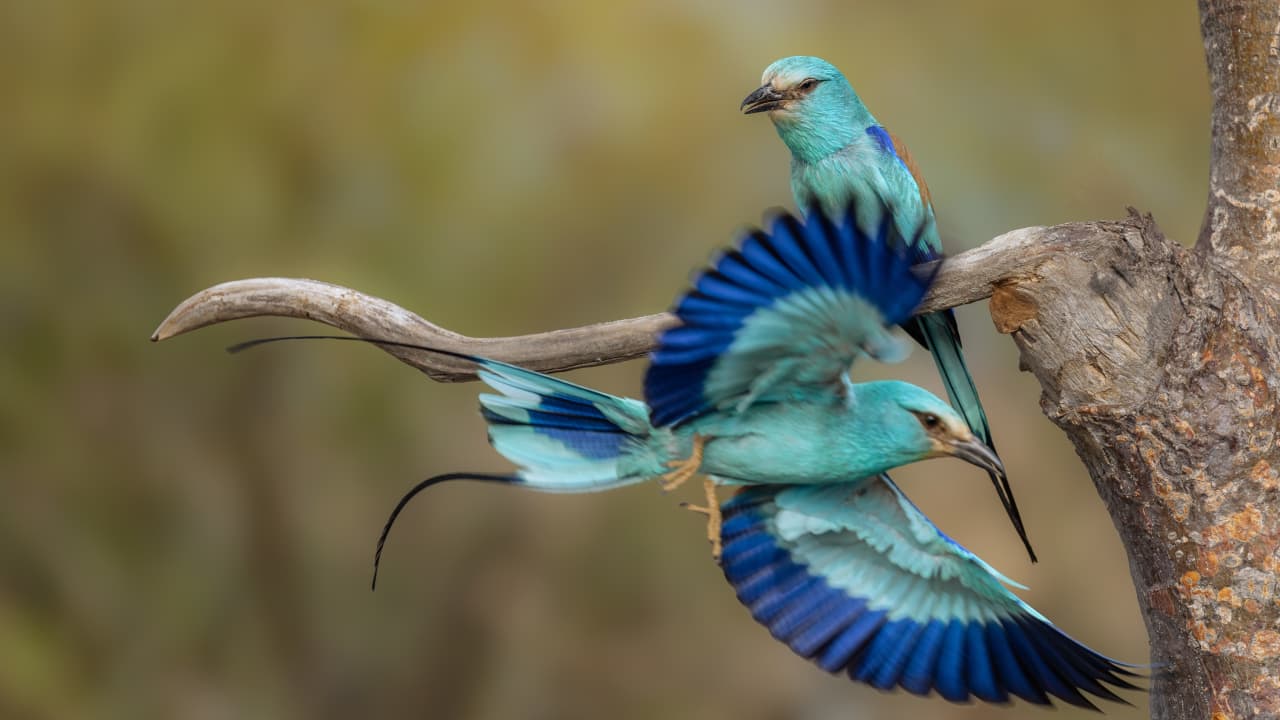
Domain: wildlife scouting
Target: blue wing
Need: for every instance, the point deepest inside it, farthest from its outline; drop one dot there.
(785, 312)
(855, 578)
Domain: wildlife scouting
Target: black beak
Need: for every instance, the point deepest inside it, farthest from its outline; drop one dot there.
(762, 99)
(975, 451)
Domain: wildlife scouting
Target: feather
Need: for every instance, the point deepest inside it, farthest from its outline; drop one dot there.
(788, 308)
(920, 613)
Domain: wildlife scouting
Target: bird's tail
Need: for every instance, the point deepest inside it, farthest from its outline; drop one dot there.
(565, 437)
(937, 332)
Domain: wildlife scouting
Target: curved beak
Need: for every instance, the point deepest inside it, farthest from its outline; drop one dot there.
(762, 99)
(976, 452)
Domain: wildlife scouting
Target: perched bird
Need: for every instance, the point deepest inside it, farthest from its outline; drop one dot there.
(752, 388)
(840, 152)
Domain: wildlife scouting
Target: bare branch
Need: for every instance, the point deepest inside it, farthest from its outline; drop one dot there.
(372, 317)
(966, 278)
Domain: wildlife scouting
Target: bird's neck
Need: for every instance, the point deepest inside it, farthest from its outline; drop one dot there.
(824, 131)
(884, 441)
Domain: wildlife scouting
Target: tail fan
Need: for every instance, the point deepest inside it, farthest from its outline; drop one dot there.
(565, 437)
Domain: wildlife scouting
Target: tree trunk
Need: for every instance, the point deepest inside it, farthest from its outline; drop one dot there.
(1159, 368)
(1160, 364)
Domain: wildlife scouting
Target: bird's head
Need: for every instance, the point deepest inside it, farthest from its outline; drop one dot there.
(813, 107)
(918, 425)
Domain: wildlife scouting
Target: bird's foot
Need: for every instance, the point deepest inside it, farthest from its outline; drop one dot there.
(682, 470)
(712, 511)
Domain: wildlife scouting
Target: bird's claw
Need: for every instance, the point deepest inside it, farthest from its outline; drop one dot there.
(682, 470)
(714, 520)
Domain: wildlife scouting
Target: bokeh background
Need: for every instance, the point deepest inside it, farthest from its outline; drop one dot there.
(185, 534)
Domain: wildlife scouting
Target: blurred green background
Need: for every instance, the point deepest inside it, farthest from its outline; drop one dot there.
(186, 534)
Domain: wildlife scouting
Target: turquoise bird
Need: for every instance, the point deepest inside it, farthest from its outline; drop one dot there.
(753, 386)
(752, 389)
(840, 152)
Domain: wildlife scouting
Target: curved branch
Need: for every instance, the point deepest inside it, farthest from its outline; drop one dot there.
(372, 317)
(966, 278)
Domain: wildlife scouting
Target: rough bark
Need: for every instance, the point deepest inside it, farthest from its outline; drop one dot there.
(1159, 363)
(1161, 371)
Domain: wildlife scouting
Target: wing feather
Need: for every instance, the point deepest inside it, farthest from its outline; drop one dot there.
(855, 578)
(791, 308)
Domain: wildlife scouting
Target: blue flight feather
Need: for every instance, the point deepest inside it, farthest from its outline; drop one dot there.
(827, 625)
(767, 579)
(776, 599)
(918, 676)
(758, 310)
(911, 609)
(884, 665)
(950, 677)
(979, 667)
(840, 652)
(800, 612)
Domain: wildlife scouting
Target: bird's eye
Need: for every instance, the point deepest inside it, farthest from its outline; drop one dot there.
(808, 84)
(930, 421)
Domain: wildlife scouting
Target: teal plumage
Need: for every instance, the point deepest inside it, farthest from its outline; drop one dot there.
(757, 369)
(821, 547)
(568, 438)
(841, 153)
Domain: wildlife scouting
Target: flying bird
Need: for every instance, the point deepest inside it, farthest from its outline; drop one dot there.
(752, 389)
(839, 152)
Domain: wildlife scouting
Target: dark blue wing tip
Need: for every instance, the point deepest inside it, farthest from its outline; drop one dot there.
(770, 216)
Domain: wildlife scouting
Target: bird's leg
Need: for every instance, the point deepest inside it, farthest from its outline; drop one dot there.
(682, 470)
(712, 511)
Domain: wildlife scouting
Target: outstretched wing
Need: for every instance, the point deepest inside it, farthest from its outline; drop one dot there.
(784, 314)
(855, 578)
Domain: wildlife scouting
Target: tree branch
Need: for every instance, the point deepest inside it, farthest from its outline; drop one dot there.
(966, 278)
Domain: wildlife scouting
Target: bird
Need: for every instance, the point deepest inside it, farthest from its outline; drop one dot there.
(840, 151)
(752, 385)
(751, 388)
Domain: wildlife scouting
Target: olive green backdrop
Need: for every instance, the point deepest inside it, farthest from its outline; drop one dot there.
(185, 534)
